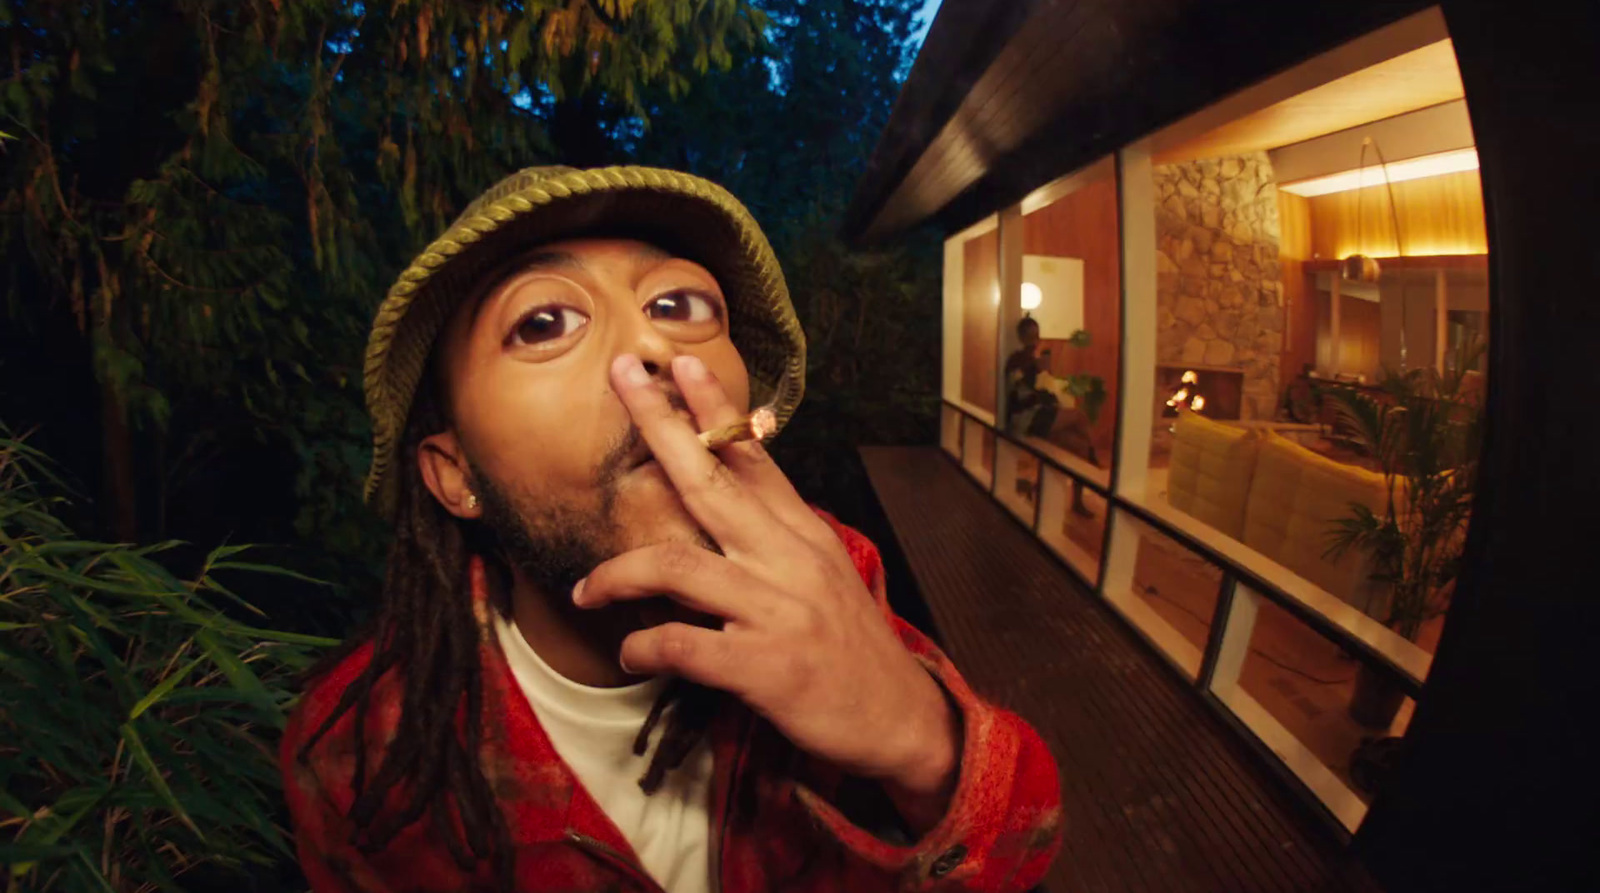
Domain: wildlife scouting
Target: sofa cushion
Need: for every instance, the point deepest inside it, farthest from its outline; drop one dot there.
(1212, 465)
(1296, 497)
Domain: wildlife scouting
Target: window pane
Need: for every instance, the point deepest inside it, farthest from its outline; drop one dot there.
(1267, 321)
(1167, 590)
(977, 448)
(950, 430)
(1017, 486)
(1310, 701)
(972, 308)
(1062, 367)
(1072, 521)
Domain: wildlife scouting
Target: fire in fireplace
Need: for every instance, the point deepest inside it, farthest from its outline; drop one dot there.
(1189, 393)
(1213, 391)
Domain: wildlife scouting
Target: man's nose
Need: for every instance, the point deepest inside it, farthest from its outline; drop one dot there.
(655, 350)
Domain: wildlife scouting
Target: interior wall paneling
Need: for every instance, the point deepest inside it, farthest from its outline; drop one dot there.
(1300, 325)
(1438, 215)
(1083, 224)
(979, 315)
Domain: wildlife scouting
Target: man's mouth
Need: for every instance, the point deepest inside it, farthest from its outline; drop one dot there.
(639, 457)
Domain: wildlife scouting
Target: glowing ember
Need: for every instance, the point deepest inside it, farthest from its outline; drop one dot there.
(763, 422)
(1198, 403)
(759, 425)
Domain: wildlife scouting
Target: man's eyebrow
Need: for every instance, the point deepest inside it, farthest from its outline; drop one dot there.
(650, 254)
(538, 260)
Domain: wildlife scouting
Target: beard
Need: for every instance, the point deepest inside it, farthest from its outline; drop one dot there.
(553, 546)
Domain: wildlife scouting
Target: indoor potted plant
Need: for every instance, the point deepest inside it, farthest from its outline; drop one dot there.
(1424, 430)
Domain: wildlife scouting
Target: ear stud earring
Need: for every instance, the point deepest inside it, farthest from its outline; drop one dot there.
(472, 501)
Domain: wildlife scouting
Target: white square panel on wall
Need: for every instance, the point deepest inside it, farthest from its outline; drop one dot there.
(1056, 283)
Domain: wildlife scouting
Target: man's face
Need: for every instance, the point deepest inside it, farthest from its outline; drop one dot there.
(539, 435)
(1030, 336)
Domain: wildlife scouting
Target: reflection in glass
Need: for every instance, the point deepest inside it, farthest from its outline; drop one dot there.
(1310, 700)
(1164, 588)
(1072, 522)
(1018, 483)
(977, 451)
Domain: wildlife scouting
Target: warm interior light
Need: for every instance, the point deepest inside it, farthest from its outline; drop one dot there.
(1372, 175)
(1032, 296)
(1179, 397)
(1198, 403)
(1191, 377)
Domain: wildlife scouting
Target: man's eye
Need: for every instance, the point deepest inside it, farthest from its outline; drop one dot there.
(548, 324)
(684, 306)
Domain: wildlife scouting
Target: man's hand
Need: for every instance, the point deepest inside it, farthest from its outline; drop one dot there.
(803, 643)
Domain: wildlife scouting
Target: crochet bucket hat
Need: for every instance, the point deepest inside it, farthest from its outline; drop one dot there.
(687, 215)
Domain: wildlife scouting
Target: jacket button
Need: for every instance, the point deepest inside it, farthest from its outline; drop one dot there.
(948, 862)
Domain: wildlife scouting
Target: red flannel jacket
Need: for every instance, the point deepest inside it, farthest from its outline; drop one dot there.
(781, 821)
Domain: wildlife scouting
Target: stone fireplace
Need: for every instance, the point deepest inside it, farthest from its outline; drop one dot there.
(1220, 300)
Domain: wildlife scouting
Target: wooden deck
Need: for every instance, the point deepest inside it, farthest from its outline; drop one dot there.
(1159, 794)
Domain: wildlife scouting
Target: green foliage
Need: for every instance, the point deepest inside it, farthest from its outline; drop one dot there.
(1424, 430)
(213, 195)
(1089, 389)
(789, 128)
(218, 191)
(136, 717)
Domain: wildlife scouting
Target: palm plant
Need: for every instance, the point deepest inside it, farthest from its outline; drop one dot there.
(1424, 430)
(136, 717)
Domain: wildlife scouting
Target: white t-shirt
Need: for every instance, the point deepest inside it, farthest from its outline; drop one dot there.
(593, 730)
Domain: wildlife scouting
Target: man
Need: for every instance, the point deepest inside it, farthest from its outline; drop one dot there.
(1036, 411)
(576, 580)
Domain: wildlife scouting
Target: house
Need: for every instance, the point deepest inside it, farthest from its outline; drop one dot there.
(1188, 224)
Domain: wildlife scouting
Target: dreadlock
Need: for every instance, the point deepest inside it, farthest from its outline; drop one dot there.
(426, 632)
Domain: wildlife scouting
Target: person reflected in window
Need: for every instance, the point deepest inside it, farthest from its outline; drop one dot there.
(1034, 406)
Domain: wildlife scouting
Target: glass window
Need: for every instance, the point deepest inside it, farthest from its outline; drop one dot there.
(1163, 587)
(1297, 278)
(1072, 522)
(972, 308)
(1333, 721)
(950, 430)
(1062, 361)
(977, 451)
(1017, 486)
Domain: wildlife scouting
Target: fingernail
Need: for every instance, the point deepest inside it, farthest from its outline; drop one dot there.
(577, 591)
(623, 662)
(689, 366)
(632, 370)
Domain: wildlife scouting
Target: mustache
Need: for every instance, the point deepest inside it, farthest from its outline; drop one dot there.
(619, 456)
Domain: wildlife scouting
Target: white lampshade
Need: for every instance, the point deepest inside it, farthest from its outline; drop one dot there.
(1032, 296)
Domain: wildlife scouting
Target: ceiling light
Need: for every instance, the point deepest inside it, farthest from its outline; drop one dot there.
(1409, 169)
(1032, 296)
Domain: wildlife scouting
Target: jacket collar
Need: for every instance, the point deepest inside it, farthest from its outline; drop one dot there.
(542, 799)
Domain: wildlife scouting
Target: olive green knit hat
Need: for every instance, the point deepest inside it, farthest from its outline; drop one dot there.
(687, 215)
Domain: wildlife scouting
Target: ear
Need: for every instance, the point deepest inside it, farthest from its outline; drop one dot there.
(444, 471)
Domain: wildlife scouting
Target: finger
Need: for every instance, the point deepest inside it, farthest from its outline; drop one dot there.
(688, 574)
(713, 658)
(749, 460)
(708, 488)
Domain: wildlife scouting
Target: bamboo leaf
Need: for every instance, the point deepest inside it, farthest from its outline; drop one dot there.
(157, 780)
(243, 679)
(163, 689)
